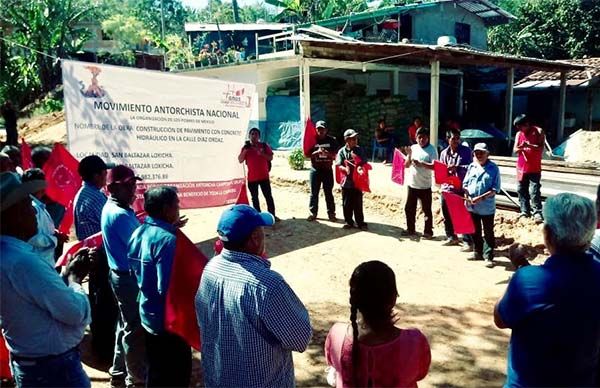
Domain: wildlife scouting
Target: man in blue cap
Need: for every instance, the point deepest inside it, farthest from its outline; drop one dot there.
(250, 319)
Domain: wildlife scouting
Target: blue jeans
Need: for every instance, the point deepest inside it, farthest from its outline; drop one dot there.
(529, 188)
(64, 370)
(129, 342)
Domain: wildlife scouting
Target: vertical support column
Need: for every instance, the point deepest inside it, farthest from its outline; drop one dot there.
(395, 82)
(589, 112)
(434, 107)
(304, 91)
(255, 44)
(560, 130)
(461, 96)
(508, 103)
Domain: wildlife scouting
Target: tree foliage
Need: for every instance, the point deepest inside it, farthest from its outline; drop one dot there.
(302, 11)
(222, 12)
(550, 29)
(36, 32)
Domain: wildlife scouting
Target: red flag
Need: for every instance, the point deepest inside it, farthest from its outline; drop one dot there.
(61, 175)
(94, 241)
(242, 199)
(339, 175)
(67, 221)
(454, 181)
(4, 367)
(398, 167)
(310, 137)
(440, 171)
(459, 215)
(180, 310)
(361, 181)
(26, 162)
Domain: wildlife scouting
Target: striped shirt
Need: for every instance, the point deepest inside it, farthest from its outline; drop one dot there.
(87, 210)
(250, 322)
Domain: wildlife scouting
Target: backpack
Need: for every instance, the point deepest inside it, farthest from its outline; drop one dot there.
(264, 145)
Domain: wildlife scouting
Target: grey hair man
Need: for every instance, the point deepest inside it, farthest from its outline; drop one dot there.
(552, 308)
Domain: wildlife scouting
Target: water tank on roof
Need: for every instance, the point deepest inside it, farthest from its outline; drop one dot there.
(446, 40)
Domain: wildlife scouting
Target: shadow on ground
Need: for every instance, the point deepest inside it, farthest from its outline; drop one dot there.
(465, 344)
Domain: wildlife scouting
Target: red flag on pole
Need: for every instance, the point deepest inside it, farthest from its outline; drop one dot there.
(4, 358)
(61, 175)
(440, 172)
(398, 167)
(310, 137)
(26, 162)
(242, 198)
(459, 215)
(361, 180)
(180, 310)
(94, 241)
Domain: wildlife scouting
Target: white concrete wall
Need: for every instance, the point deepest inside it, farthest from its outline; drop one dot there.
(432, 22)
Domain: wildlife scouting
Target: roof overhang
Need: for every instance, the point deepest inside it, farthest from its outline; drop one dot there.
(208, 27)
(414, 54)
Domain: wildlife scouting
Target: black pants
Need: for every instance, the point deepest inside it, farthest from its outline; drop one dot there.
(104, 310)
(448, 227)
(352, 202)
(320, 177)
(484, 246)
(265, 187)
(424, 196)
(529, 190)
(169, 360)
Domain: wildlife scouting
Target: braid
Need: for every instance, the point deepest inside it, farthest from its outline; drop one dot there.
(355, 346)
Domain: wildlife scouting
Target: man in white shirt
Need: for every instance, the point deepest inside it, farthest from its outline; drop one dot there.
(420, 166)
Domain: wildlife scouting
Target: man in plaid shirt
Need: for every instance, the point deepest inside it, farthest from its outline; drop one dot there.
(250, 319)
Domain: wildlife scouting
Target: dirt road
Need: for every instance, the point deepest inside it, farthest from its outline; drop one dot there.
(449, 298)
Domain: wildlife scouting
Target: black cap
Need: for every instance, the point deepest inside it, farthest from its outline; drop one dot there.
(520, 120)
(90, 166)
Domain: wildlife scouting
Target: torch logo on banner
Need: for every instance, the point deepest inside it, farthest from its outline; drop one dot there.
(236, 97)
(94, 90)
(63, 177)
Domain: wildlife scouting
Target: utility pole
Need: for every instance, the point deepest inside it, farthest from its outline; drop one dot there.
(162, 33)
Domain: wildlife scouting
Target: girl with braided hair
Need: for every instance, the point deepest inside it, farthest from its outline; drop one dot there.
(372, 351)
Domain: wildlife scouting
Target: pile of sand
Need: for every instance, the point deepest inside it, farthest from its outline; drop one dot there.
(583, 147)
(45, 129)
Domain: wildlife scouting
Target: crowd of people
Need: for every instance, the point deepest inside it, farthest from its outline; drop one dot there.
(249, 318)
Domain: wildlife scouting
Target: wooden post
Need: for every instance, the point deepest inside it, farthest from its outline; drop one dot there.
(589, 117)
(434, 107)
(560, 130)
(508, 103)
(461, 96)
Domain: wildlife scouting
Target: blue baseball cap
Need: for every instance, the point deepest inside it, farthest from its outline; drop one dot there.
(239, 221)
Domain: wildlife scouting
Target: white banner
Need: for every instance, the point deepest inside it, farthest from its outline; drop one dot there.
(171, 130)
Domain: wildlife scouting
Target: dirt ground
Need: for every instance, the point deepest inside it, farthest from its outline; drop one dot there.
(449, 298)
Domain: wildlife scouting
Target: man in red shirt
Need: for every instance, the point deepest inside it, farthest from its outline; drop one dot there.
(412, 130)
(529, 147)
(258, 157)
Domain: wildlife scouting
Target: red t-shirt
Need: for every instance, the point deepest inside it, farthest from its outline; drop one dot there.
(530, 159)
(412, 133)
(258, 165)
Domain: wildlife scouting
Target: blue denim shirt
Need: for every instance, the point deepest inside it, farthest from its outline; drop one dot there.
(118, 224)
(479, 180)
(250, 322)
(39, 314)
(151, 253)
(553, 312)
(87, 210)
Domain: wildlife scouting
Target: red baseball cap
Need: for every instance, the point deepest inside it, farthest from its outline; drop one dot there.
(121, 174)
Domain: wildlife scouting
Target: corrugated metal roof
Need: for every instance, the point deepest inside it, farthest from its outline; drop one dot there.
(420, 54)
(577, 83)
(592, 71)
(209, 27)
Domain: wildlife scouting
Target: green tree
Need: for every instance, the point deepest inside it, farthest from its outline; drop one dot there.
(174, 15)
(550, 29)
(37, 32)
